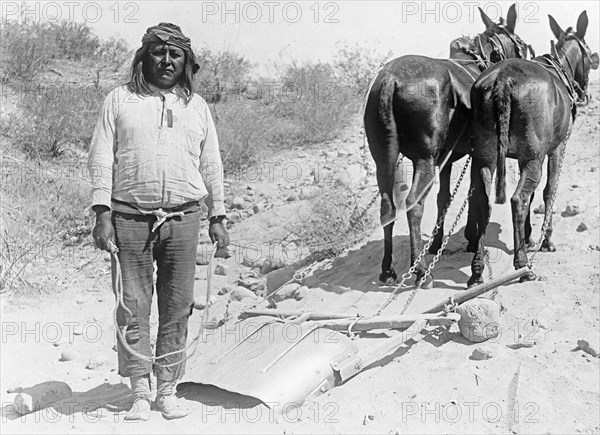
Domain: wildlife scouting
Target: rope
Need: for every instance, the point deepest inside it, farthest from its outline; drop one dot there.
(118, 290)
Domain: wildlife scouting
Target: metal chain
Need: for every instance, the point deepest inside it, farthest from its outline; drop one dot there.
(488, 266)
(551, 202)
(437, 256)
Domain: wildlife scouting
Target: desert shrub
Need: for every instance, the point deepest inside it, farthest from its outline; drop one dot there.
(221, 74)
(28, 47)
(244, 131)
(336, 218)
(43, 212)
(53, 118)
(25, 50)
(356, 65)
(313, 102)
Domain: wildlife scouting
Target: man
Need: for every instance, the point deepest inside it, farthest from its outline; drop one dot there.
(153, 158)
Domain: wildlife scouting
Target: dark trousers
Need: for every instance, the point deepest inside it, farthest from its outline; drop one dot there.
(173, 247)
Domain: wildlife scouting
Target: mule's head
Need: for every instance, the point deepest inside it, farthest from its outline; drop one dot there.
(499, 41)
(574, 53)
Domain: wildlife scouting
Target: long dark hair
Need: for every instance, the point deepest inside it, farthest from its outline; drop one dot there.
(139, 86)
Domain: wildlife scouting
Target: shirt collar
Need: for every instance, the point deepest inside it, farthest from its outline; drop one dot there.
(157, 90)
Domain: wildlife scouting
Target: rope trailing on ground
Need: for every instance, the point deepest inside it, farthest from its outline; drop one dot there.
(119, 303)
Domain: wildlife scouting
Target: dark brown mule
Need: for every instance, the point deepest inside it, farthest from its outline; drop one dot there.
(420, 107)
(524, 110)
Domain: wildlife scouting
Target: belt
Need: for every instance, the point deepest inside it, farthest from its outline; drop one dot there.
(163, 214)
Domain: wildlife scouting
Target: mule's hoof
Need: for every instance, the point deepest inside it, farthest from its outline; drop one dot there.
(529, 277)
(548, 247)
(474, 280)
(388, 278)
(530, 246)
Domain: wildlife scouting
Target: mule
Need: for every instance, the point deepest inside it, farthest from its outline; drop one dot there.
(524, 110)
(418, 107)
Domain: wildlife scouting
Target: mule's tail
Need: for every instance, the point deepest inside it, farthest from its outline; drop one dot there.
(502, 103)
(382, 133)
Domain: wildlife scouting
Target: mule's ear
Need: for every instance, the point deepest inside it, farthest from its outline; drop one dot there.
(595, 60)
(558, 32)
(486, 20)
(582, 23)
(511, 19)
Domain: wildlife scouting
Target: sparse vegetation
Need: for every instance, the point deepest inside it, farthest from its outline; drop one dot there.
(60, 73)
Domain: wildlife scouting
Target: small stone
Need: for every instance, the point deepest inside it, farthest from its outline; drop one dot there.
(238, 203)
(77, 329)
(247, 282)
(97, 360)
(301, 293)
(479, 319)
(224, 290)
(257, 208)
(581, 227)
(482, 353)
(239, 293)
(234, 217)
(286, 292)
(571, 210)
(202, 258)
(68, 354)
(270, 264)
(80, 300)
(540, 209)
(292, 197)
(248, 261)
(221, 269)
(199, 303)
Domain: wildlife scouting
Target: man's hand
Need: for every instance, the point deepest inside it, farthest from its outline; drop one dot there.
(217, 233)
(104, 231)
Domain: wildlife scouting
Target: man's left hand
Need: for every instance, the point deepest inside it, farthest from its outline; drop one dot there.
(217, 233)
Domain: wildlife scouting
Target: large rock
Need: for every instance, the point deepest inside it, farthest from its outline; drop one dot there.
(479, 319)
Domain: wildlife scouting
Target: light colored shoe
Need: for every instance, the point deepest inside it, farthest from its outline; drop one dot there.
(171, 407)
(140, 410)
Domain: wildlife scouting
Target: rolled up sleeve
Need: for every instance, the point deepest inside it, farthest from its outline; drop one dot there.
(101, 153)
(211, 168)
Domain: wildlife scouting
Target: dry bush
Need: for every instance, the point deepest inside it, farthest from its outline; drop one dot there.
(52, 119)
(44, 210)
(335, 219)
(357, 66)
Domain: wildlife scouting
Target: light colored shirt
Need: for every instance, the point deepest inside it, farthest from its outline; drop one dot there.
(154, 152)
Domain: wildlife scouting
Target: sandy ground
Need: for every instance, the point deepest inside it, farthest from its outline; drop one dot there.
(537, 380)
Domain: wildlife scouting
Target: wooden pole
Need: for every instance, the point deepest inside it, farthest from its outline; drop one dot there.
(480, 289)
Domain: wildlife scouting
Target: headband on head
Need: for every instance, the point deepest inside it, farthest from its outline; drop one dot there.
(171, 34)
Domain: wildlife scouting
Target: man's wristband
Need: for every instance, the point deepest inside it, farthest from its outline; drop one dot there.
(217, 219)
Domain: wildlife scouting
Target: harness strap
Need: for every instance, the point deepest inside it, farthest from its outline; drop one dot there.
(462, 66)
